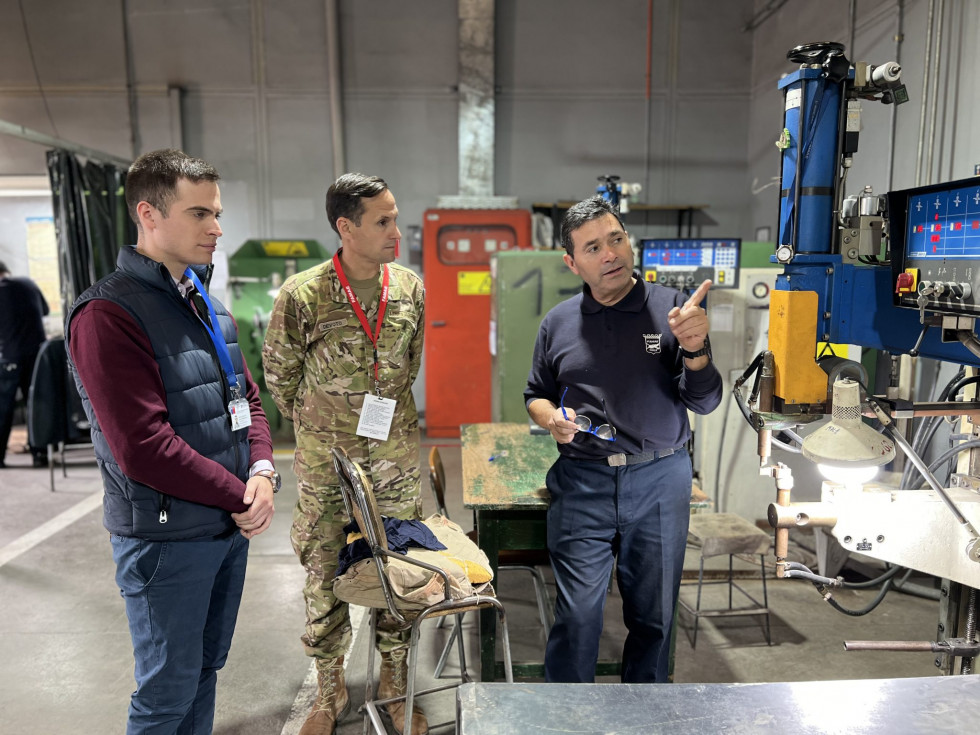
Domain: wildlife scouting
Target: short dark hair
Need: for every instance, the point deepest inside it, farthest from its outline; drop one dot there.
(153, 178)
(585, 211)
(3, 267)
(345, 194)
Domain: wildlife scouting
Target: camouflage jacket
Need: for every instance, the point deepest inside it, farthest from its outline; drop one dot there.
(319, 361)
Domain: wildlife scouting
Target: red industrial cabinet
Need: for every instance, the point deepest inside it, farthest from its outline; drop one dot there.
(457, 245)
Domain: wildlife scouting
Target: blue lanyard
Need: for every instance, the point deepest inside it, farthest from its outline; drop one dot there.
(224, 357)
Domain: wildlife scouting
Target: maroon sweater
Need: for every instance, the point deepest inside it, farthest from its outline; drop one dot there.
(115, 361)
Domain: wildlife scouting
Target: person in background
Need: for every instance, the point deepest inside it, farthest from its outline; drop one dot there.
(631, 357)
(22, 307)
(181, 439)
(345, 343)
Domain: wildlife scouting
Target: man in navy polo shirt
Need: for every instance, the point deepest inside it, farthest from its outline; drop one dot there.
(631, 357)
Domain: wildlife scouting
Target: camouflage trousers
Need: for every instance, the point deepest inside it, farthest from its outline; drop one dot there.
(317, 533)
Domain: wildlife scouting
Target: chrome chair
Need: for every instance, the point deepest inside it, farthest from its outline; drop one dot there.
(362, 508)
(521, 560)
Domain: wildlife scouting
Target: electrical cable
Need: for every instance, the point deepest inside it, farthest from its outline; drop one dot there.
(810, 576)
(952, 388)
(897, 437)
(37, 77)
(888, 574)
(920, 442)
(721, 455)
(926, 428)
(795, 570)
(943, 395)
(865, 610)
(747, 414)
(792, 435)
(948, 454)
(916, 590)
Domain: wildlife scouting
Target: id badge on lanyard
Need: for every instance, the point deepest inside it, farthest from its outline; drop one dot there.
(377, 413)
(238, 407)
(240, 412)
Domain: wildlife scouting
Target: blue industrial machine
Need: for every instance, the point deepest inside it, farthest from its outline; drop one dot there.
(851, 252)
(833, 245)
(898, 273)
(616, 192)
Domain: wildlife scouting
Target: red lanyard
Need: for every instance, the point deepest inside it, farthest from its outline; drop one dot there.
(360, 312)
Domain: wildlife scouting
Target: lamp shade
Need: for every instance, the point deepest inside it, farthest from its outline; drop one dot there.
(846, 441)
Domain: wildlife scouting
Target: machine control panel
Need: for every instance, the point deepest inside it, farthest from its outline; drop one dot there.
(935, 242)
(684, 263)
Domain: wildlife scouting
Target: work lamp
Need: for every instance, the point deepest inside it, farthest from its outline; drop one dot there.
(846, 450)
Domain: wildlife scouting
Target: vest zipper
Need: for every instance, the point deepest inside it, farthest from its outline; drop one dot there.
(164, 507)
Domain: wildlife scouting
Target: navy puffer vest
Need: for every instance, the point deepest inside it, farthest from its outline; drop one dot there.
(197, 408)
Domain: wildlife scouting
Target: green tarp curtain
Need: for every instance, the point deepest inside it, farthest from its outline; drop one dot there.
(90, 220)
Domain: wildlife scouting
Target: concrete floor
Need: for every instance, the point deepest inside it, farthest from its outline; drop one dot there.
(66, 662)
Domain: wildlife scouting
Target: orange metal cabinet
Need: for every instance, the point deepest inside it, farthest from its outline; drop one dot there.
(457, 245)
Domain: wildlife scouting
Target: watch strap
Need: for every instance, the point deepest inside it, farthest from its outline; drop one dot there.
(705, 350)
(273, 477)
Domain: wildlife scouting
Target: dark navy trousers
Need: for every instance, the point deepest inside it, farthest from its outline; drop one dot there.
(182, 601)
(638, 515)
(14, 375)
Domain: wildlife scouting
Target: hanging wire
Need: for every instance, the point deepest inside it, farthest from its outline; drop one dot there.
(864, 610)
(37, 77)
(888, 574)
(796, 570)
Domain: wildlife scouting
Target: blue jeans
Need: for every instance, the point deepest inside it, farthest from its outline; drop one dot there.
(182, 602)
(637, 514)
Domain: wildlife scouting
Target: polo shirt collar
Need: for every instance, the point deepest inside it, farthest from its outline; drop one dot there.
(632, 301)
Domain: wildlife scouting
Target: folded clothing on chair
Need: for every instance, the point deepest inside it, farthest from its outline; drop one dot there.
(402, 535)
(415, 587)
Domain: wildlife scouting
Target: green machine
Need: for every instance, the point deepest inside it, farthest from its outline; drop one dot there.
(526, 285)
(255, 273)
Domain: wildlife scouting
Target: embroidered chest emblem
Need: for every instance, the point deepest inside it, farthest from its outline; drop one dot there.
(651, 342)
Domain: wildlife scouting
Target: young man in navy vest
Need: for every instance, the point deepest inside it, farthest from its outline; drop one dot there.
(181, 439)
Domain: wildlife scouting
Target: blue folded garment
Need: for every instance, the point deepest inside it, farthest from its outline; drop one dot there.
(401, 536)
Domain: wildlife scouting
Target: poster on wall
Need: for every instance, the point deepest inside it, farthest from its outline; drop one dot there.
(42, 266)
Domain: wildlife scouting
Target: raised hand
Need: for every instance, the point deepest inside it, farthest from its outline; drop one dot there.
(689, 323)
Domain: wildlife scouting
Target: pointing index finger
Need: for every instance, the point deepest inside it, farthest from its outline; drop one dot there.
(698, 296)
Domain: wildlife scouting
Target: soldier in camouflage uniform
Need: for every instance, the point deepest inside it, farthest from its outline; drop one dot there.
(319, 366)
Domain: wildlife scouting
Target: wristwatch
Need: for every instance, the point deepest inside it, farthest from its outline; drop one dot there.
(274, 477)
(705, 350)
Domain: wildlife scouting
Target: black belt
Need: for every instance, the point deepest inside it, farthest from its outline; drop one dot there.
(620, 460)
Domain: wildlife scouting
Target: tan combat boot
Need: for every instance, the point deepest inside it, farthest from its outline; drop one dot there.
(332, 701)
(394, 683)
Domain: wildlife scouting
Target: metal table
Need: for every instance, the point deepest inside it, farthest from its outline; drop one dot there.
(864, 707)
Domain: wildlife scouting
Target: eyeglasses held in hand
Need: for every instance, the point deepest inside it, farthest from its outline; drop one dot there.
(606, 432)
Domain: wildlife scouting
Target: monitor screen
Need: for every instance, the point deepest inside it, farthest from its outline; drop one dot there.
(685, 262)
(934, 239)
